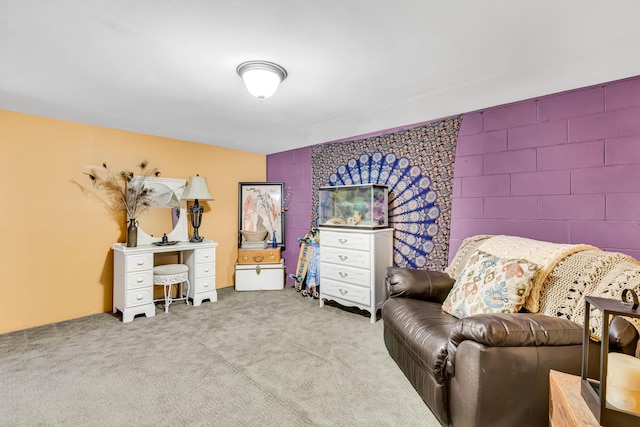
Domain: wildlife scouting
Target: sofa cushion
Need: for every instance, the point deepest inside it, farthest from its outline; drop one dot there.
(422, 328)
(490, 285)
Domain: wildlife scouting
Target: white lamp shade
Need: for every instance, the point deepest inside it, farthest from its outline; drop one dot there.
(261, 78)
(197, 189)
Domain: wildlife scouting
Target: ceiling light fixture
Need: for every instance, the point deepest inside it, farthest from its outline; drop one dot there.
(261, 78)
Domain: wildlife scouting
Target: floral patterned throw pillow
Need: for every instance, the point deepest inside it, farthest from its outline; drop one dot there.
(490, 285)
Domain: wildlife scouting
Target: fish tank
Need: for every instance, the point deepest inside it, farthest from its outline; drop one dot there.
(354, 206)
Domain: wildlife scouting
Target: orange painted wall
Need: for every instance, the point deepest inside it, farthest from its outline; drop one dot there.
(56, 261)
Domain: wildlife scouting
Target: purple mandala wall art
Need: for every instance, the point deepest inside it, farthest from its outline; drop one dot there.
(417, 166)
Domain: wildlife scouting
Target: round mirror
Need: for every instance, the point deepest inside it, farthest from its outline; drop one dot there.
(159, 218)
(166, 215)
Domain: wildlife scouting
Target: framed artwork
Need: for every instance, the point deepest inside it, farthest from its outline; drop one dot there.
(260, 208)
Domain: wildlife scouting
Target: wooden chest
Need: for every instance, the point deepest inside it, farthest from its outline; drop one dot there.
(261, 256)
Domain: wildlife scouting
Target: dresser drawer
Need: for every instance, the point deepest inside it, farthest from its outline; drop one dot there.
(139, 297)
(345, 257)
(205, 255)
(342, 273)
(359, 242)
(139, 279)
(345, 291)
(139, 262)
(205, 270)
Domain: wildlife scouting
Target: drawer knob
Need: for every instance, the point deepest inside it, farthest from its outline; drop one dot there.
(206, 255)
(206, 270)
(343, 275)
(139, 280)
(140, 262)
(139, 297)
(342, 291)
(343, 241)
(343, 257)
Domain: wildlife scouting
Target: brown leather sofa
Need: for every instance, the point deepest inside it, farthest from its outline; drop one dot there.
(485, 370)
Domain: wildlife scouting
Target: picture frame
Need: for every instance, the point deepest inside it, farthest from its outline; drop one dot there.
(260, 206)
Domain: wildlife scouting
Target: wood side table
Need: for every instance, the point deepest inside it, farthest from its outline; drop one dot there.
(567, 408)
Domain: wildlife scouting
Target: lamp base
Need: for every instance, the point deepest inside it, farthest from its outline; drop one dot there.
(196, 239)
(196, 219)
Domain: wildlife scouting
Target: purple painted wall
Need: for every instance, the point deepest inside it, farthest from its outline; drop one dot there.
(563, 168)
(294, 169)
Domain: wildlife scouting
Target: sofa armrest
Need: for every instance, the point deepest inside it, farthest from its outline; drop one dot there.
(433, 286)
(623, 336)
(512, 330)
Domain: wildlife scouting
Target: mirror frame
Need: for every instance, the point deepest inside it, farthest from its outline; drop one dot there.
(180, 232)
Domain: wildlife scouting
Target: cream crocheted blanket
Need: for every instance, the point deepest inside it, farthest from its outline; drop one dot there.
(545, 255)
(568, 273)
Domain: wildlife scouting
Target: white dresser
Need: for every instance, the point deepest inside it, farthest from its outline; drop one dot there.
(133, 275)
(353, 265)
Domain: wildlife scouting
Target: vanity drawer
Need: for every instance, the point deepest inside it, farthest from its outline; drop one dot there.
(341, 273)
(139, 297)
(205, 255)
(345, 257)
(205, 284)
(139, 279)
(139, 262)
(357, 242)
(205, 270)
(345, 291)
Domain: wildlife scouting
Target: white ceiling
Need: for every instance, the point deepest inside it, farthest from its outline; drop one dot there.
(167, 67)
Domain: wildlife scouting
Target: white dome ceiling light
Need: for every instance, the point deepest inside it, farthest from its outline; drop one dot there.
(261, 78)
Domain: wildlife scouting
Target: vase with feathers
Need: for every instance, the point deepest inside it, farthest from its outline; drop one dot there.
(127, 192)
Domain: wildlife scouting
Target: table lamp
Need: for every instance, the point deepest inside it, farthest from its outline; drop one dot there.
(196, 190)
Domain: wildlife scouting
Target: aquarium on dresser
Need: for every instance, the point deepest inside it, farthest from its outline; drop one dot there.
(354, 206)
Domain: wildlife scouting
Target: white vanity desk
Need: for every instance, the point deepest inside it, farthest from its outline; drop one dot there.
(133, 266)
(133, 275)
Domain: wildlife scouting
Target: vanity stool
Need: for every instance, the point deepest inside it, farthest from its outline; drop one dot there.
(169, 275)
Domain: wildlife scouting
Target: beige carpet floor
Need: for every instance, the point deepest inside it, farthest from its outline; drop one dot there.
(270, 358)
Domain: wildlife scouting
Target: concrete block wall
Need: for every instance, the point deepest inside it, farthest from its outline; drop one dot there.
(294, 169)
(563, 168)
